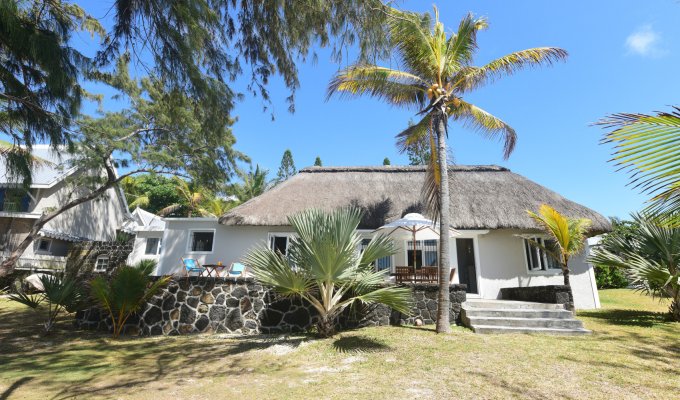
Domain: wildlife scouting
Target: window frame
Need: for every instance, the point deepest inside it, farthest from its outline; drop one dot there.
(190, 240)
(287, 235)
(541, 256)
(423, 248)
(106, 266)
(159, 245)
(49, 246)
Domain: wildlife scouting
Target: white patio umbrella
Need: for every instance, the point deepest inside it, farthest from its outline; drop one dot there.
(417, 225)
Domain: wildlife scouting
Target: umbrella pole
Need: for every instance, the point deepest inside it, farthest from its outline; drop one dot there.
(414, 254)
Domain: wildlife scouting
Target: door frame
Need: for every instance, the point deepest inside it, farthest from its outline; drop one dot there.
(474, 235)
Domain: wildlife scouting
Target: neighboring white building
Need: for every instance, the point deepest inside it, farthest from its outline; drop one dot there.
(148, 229)
(488, 208)
(96, 220)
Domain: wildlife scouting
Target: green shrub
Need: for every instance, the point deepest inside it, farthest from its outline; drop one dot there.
(610, 277)
(126, 291)
(60, 295)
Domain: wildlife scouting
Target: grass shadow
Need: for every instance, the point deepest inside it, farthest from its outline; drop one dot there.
(639, 318)
(424, 328)
(359, 344)
(14, 386)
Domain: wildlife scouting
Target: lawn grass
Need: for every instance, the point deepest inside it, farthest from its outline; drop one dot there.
(634, 352)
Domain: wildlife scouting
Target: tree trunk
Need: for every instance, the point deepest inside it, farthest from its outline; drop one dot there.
(443, 303)
(565, 273)
(675, 306)
(8, 264)
(326, 326)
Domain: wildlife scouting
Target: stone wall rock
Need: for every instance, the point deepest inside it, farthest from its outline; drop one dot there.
(553, 294)
(243, 306)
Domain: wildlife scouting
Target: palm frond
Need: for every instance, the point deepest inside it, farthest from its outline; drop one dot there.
(398, 298)
(169, 209)
(461, 46)
(274, 270)
(486, 124)
(472, 78)
(411, 36)
(647, 146)
(29, 300)
(141, 201)
(568, 233)
(393, 86)
(414, 133)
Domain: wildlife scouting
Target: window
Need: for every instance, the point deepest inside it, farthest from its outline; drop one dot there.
(102, 264)
(536, 258)
(425, 253)
(201, 241)
(279, 243)
(153, 246)
(44, 245)
(384, 263)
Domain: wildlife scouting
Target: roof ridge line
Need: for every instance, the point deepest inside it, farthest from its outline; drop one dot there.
(402, 168)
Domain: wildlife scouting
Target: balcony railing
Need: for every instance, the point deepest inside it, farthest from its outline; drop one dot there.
(38, 262)
(12, 206)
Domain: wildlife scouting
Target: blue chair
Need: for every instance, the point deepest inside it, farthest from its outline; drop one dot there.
(192, 265)
(236, 269)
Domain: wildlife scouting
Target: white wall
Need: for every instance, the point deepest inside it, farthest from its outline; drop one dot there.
(97, 219)
(500, 257)
(502, 264)
(139, 248)
(231, 243)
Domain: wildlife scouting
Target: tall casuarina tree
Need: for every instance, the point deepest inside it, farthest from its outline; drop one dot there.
(437, 71)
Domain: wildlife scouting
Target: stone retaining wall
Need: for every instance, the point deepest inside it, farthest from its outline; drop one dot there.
(553, 294)
(243, 306)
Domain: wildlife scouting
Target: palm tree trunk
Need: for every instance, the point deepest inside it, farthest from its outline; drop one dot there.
(443, 303)
(565, 273)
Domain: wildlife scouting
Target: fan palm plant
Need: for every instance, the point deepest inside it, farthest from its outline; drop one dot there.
(325, 268)
(568, 236)
(126, 291)
(437, 72)
(649, 147)
(649, 257)
(65, 294)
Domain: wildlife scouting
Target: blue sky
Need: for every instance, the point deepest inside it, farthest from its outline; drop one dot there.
(623, 58)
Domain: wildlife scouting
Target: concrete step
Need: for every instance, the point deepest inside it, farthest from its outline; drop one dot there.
(517, 313)
(510, 304)
(514, 329)
(526, 322)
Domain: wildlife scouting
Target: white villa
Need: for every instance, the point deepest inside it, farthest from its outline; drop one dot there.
(488, 207)
(97, 220)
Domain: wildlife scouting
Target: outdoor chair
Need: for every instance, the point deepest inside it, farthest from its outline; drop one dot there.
(192, 265)
(236, 269)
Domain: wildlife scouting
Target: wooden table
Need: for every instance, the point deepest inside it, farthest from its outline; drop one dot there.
(216, 268)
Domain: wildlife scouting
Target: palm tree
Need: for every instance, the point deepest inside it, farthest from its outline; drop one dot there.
(325, 268)
(437, 72)
(192, 197)
(254, 184)
(647, 146)
(136, 197)
(650, 258)
(568, 236)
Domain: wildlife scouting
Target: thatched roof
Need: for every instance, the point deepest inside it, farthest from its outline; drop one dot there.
(482, 197)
